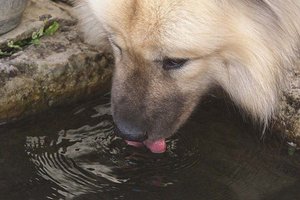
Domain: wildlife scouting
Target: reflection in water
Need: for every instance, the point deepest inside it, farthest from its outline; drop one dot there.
(74, 154)
(65, 160)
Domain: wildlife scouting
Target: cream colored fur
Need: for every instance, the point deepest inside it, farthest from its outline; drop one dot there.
(245, 46)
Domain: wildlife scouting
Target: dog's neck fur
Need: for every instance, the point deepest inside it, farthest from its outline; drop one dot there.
(258, 70)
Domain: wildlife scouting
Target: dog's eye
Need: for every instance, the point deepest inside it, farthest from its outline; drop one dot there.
(173, 63)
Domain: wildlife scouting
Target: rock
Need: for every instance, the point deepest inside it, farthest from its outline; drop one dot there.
(288, 120)
(59, 71)
(11, 14)
(35, 13)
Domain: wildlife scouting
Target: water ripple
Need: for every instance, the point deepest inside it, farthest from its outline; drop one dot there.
(209, 158)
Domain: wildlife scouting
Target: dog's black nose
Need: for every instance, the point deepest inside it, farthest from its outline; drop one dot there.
(130, 133)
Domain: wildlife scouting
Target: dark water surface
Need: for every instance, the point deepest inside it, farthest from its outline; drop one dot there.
(72, 153)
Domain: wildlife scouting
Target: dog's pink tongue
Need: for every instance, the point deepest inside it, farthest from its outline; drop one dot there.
(158, 146)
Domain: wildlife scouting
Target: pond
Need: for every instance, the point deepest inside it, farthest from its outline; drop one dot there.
(72, 153)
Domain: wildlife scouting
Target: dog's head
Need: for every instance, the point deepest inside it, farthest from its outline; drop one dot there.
(168, 54)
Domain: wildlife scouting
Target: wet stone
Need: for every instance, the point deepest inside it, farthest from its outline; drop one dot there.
(59, 71)
(288, 121)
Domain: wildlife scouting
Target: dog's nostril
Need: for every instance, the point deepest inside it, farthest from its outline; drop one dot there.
(137, 136)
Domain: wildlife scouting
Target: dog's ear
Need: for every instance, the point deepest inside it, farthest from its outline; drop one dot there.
(90, 25)
(256, 89)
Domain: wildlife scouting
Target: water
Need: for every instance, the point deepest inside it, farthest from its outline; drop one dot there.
(72, 153)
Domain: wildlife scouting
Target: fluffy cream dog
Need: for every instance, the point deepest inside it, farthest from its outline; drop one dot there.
(170, 52)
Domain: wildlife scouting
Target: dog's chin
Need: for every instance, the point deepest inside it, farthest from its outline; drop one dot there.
(157, 146)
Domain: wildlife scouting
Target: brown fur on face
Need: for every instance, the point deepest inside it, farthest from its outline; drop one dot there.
(244, 46)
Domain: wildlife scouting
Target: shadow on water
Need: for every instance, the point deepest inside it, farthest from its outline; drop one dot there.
(72, 153)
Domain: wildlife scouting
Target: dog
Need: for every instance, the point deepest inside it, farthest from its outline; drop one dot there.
(169, 53)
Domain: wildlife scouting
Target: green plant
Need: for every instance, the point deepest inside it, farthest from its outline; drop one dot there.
(36, 36)
(4, 53)
(52, 29)
(13, 47)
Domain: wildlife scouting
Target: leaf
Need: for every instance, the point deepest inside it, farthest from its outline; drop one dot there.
(52, 29)
(24, 42)
(34, 36)
(40, 33)
(4, 53)
(35, 41)
(12, 45)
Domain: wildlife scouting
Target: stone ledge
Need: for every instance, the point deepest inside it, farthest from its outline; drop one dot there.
(33, 19)
(61, 70)
(288, 121)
